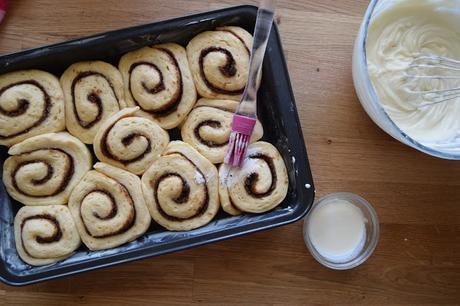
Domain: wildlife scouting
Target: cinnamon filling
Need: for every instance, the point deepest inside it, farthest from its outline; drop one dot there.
(56, 236)
(171, 105)
(130, 220)
(251, 180)
(24, 104)
(211, 123)
(184, 195)
(185, 192)
(228, 70)
(126, 141)
(93, 97)
(68, 173)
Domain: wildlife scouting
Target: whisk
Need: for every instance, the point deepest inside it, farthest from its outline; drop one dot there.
(431, 67)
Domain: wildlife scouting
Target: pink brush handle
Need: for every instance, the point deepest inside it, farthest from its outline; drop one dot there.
(3, 7)
(243, 125)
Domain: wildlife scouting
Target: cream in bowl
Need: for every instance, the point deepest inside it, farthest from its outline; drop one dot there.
(394, 36)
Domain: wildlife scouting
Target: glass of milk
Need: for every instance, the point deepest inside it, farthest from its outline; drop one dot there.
(341, 231)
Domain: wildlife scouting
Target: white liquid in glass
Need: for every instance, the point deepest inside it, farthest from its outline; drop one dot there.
(337, 231)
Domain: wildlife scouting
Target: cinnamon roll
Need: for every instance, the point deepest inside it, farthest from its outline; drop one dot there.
(45, 234)
(208, 126)
(158, 80)
(181, 189)
(31, 103)
(219, 61)
(108, 207)
(44, 169)
(258, 186)
(129, 142)
(93, 92)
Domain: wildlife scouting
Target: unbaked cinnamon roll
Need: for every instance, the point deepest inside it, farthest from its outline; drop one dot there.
(180, 188)
(158, 80)
(31, 103)
(45, 234)
(44, 169)
(208, 126)
(258, 186)
(219, 61)
(108, 207)
(130, 142)
(93, 92)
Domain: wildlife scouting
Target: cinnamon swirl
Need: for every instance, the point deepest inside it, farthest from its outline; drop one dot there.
(129, 142)
(31, 103)
(45, 234)
(219, 61)
(158, 80)
(44, 169)
(258, 186)
(108, 207)
(181, 189)
(93, 92)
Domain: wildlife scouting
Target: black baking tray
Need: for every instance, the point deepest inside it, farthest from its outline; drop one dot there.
(277, 112)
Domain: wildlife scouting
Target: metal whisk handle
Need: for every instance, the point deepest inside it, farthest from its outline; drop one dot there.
(430, 66)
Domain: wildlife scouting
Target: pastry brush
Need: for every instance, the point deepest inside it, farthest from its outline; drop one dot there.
(245, 116)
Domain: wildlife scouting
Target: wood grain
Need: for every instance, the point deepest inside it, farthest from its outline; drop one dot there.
(417, 197)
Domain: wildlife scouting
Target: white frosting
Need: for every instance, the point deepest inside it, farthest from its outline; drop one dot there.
(400, 31)
(199, 179)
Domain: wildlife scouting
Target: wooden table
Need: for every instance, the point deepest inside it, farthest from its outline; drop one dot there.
(417, 197)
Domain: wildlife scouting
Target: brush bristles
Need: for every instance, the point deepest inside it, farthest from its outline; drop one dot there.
(237, 147)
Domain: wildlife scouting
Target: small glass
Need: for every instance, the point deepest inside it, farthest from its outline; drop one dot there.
(371, 227)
